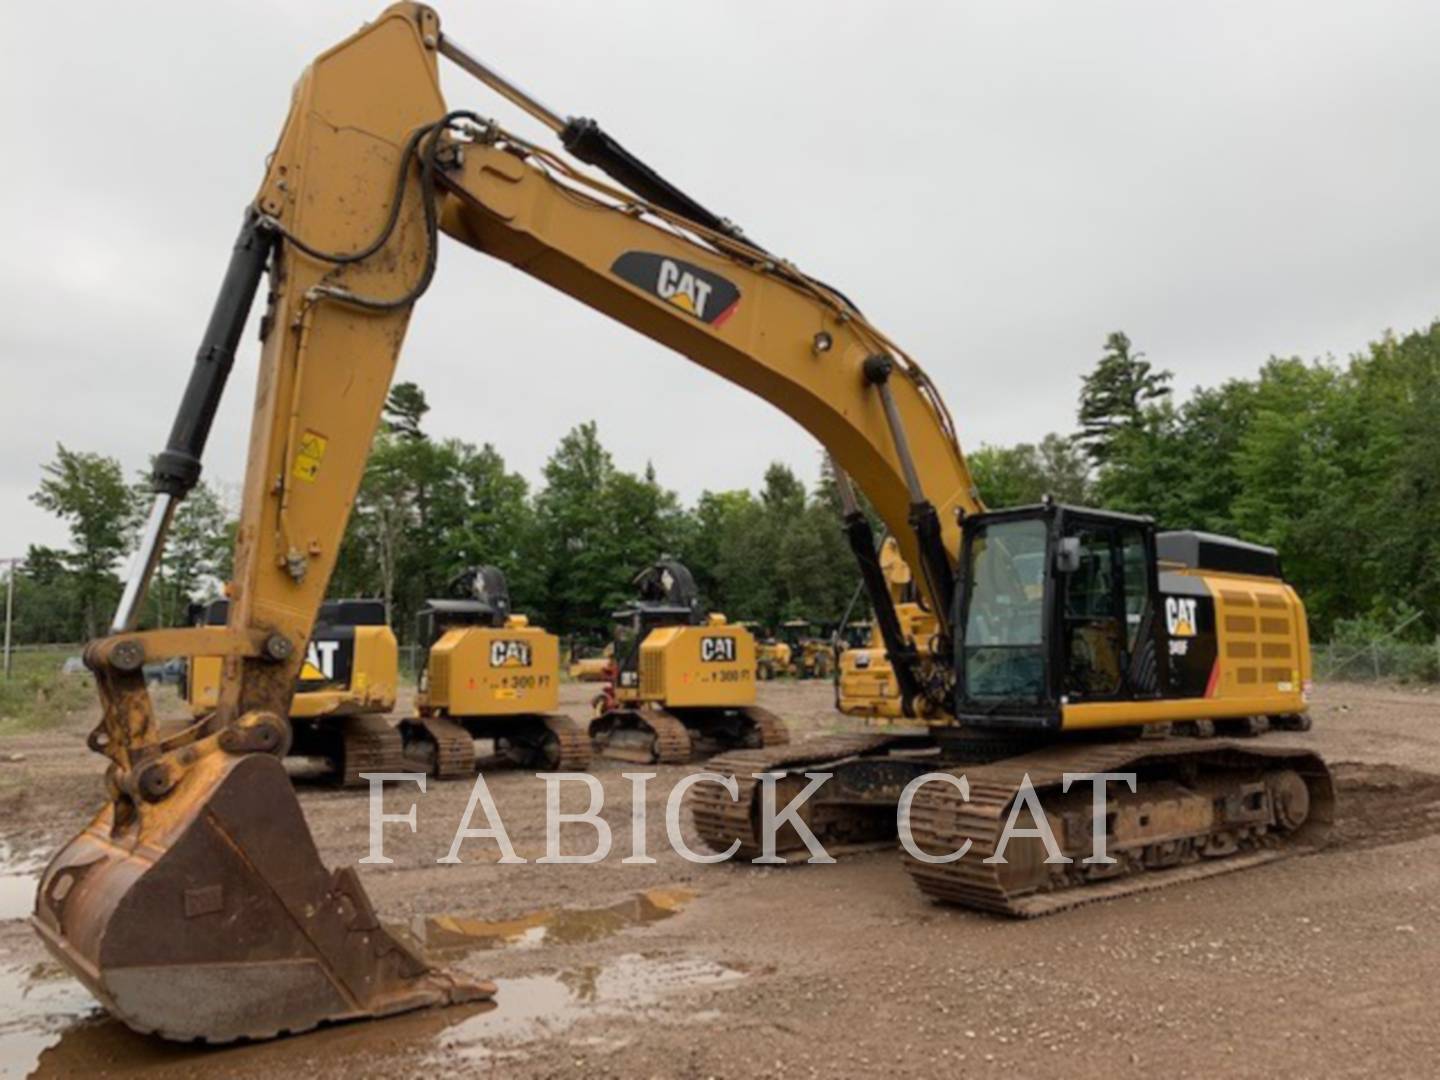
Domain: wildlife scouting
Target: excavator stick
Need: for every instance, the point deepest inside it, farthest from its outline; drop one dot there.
(195, 905)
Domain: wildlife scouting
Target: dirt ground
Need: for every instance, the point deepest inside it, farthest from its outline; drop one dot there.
(1325, 964)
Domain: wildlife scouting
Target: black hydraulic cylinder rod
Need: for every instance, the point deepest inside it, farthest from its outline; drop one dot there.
(589, 142)
(926, 523)
(177, 467)
(902, 653)
(924, 520)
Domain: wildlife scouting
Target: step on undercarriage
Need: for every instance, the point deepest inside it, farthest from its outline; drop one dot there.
(650, 735)
(445, 747)
(1201, 808)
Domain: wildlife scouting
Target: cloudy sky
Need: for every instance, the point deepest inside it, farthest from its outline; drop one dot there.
(997, 184)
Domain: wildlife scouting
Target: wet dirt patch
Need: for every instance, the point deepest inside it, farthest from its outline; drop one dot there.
(37, 1004)
(19, 878)
(540, 1007)
(1383, 804)
(449, 934)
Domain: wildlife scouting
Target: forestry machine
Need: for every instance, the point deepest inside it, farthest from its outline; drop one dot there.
(195, 903)
(488, 674)
(683, 682)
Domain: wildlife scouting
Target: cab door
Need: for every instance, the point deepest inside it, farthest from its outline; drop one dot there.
(1107, 612)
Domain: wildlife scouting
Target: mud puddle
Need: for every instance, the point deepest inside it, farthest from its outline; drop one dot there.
(37, 1004)
(533, 1008)
(19, 878)
(443, 934)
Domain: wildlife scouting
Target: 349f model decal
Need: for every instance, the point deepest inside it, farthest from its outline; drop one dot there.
(693, 289)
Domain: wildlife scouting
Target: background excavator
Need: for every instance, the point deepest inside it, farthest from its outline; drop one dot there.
(195, 903)
(488, 674)
(345, 688)
(865, 683)
(683, 682)
(772, 657)
(811, 654)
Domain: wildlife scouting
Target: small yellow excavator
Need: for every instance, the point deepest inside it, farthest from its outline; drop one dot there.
(811, 654)
(488, 674)
(772, 657)
(683, 682)
(345, 689)
(865, 683)
(592, 667)
(195, 904)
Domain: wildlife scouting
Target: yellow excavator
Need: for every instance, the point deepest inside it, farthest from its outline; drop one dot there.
(865, 683)
(772, 657)
(683, 682)
(593, 666)
(195, 903)
(490, 675)
(811, 654)
(345, 689)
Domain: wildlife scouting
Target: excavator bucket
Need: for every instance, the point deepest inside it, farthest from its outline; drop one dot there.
(212, 917)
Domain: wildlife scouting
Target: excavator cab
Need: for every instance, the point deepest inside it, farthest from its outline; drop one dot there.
(666, 595)
(1056, 605)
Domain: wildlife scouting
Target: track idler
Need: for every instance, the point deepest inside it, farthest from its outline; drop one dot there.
(210, 916)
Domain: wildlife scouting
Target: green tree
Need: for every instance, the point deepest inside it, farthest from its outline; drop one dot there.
(1026, 472)
(196, 555)
(1113, 396)
(87, 491)
(405, 409)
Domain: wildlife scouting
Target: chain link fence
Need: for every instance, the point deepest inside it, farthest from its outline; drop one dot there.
(1365, 649)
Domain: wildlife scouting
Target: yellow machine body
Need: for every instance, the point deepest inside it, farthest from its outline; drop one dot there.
(695, 667)
(493, 671)
(370, 687)
(1241, 650)
(592, 668)
(867, 683)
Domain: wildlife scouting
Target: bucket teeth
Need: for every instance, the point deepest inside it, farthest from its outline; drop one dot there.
(213, 917)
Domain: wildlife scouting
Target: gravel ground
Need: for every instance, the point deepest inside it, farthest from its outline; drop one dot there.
(1318, 965)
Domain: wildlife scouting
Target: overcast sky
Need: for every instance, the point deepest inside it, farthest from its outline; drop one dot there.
(997, 184)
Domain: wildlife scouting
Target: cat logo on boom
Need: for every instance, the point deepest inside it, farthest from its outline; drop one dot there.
(693, 289)
(510, 654)
(717, 650)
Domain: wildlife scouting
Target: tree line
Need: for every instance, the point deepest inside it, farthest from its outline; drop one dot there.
(1336, 464)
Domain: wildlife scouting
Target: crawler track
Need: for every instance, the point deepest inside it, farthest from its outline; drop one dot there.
(444, 747)
(721, 821)
(622, 735)
(569, 749)
(772, 729)
(1201, 810)
(367, 744)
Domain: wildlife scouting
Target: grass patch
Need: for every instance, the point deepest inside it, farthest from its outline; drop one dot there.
(37, 696)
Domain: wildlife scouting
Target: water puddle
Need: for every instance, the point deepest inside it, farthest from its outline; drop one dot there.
(37, 1004)
(443, 934)
(19, 878)
(537, 1007)
(51, 1026)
